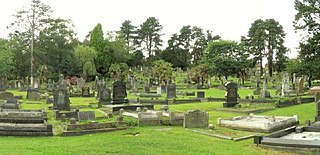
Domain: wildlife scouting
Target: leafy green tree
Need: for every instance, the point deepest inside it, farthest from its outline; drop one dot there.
(29, 22)
(266, 39)
(162, 70)
(136, 59)
(200, 73)
(149, 36)
(56, 47)
(103, 59)
(85, 56)
(6, 59)
(227, 58)
(119, 71)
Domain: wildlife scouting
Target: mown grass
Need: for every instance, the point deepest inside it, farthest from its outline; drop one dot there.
(151, 140)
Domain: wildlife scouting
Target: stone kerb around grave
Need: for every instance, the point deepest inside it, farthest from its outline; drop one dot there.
(196, 119)
(150, 118)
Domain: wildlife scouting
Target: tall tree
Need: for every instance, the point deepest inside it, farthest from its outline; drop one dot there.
(149, 35)
(6, 59)
(85, 56)
(29, 22)
(56, 47)
(129, 32)
(97, 41)
(307, 20)
(266, 39)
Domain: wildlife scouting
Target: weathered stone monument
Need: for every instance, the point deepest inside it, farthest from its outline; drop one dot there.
(33, 94)
(60, 96)
(86, 115)
(317, 97)
(80, 83)
(171, 90)
(265, 93)
(200, 94)
(50, 85)
(285, 86)
(147, 88)
(85, 92)
(196, 119)
(104, 93)
(300, 85)
(231, 95)
(3, 85)
(119, 93)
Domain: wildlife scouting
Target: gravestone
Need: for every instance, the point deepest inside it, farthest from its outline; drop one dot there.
(285, 86)
(294, 82)
(300, 85)
(258, 89)
(134, 85)
(196, 119)
(80, 83)
(279, 89)
(265, 93)
(119, 93)
(33, 94)
(159, 90)
(317, 118)
(3, 85)
(96, 82)
(5, 95)
(163, 88)
(86, 116)
(11, 103)
(231, 95)
(61, 99)
(147, 89)
(171, 91)
(50, 85)
(317, 97)
(85, 92)
(104, 94)
(200, 94)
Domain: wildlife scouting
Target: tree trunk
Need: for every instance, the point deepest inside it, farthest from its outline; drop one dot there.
(270, 65)
(309, 81)
(261, 67)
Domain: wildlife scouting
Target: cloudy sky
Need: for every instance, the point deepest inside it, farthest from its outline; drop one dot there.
(230, 19)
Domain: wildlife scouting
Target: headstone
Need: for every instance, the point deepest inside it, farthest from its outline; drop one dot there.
(317, 118)
(85, 92)
(171, 91)
(265, 93)
(19, 84)
(104, 94)
(61, 99)
(300, 85)
(11, 103)
(196, 119)
(50, 85)
(73, 120)
(231, 95)
(33, 94)
(5, 95)
(80, 83)
(134, 85)
(163, 88)
(294, 82)
(317, 97)
(285, 86)
(3, 85)
(159, 90)
(147, 89)
(279, 89)
(200, 94)
(119, 92)
(86, 115)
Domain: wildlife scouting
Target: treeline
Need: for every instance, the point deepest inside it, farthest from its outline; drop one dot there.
(46, 47)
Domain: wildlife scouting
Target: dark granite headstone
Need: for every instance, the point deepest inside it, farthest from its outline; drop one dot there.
(231, 95)
(119, 92)
(61, 97)
(147, 89)
(200, 94)
(171, 91)
(163, 88)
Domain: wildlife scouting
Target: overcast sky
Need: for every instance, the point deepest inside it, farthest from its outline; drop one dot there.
(230, 19)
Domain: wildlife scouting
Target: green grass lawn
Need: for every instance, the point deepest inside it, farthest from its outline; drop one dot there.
(152, 140)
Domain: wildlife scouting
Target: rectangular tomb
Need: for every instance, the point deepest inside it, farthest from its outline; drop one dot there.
(259, 123)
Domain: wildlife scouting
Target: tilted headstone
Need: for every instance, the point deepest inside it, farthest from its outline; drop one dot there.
(171, 91)
(86, 115)
(231, 95)
(196, 119)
